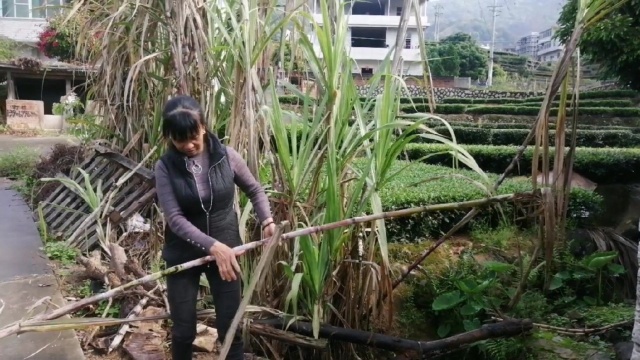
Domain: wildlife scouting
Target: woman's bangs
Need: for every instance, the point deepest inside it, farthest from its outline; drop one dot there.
(181, 126)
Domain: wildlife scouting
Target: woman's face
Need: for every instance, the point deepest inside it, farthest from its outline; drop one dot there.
(192, 146)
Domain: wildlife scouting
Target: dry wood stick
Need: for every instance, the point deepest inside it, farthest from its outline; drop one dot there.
(258, 275)
(69, 308)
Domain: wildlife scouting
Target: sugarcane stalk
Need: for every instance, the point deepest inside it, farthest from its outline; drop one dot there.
(16, 327)
(258, 275)
(125, 327)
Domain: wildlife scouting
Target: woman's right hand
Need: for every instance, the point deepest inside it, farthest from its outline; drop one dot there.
(226, 259)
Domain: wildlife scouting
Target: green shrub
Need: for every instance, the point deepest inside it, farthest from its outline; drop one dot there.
(506, 126)
(584, 138)
(399, 194)
(440, 109)
(469, 101)
(18, 163)
(537, 102)
(586, 103)
(292, 100)
(604, 94)
(518, 110)
(603, 166)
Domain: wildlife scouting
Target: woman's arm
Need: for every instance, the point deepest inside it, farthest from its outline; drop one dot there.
(173, 214)
(250, 186)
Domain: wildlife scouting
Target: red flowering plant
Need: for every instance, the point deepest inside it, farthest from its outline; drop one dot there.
(58, 41)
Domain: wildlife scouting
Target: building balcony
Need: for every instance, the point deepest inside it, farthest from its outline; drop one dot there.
(549, 50)
(386, 21)
(378, 54)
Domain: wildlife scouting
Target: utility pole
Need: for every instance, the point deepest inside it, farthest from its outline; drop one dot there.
(494, 10)
(437, 14)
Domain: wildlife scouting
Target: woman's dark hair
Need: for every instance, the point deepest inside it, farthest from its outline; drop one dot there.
(182, 118)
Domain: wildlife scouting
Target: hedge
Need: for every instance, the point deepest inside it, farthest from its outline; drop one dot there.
(603, 94)
(536, 103)
(584, 138)
(399, 194)
(517, 110)
(603, 166)
(505, 126)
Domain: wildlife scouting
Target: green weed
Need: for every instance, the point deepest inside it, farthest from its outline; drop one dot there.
(19, 163)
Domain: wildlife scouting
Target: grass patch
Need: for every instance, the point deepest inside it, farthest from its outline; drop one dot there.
(61, 252)
(18, 163)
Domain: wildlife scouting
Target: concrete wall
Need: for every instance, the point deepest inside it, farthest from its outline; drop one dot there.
(29, 114)
(21, 30)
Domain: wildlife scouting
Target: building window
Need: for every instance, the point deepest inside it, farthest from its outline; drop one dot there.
(366, 71)
(37, 9)
(407, 43)
(399, 10)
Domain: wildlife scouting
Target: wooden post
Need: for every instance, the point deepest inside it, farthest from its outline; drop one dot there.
(11, 89)
(67, 85)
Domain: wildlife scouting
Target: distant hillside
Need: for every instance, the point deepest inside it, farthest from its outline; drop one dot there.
(517, 18)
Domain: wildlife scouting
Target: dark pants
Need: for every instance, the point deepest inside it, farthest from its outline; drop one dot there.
(182, 291)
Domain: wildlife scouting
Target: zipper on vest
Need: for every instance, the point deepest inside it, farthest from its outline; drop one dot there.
(210, 191)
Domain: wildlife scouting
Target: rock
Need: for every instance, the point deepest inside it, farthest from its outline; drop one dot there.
(147, 337)
(597, 355)
(145, 346)
(623, 350)
(206, 339)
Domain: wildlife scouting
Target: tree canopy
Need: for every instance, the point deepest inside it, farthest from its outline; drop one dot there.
(614, 44)
(458, 55)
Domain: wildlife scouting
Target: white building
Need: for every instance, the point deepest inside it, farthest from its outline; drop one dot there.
(528, 45)
(549, 49)
(23, 20)
(373, 27)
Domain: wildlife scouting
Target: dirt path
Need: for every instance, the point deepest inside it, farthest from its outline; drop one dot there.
(41, 143)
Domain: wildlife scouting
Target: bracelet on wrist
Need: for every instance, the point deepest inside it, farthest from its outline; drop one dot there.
(267, 224)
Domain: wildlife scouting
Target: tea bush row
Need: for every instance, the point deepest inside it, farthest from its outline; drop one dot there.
(603, 166)
(409, 189)
(584, 138)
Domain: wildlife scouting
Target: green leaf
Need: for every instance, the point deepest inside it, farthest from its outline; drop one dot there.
(468, 309)
(498, 267)
(447, 301)
(616, 269)
(556, 282)
(470, 325)
(598, 262)
(444, 329)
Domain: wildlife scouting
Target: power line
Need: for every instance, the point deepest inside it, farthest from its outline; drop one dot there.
(494, 10)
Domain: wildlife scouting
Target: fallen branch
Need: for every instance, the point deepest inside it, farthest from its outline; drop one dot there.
(70, 308)
(502, 329)
(578, 332)
(255, 329)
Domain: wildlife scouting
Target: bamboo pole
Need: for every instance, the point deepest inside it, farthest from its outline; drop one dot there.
(16, 327)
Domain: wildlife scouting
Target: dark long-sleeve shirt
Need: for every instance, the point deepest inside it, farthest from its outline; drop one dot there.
(174, 217)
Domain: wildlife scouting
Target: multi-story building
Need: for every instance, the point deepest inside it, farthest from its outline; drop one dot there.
(373, 28)
(549, 49)
(23, 20)
(528, 45)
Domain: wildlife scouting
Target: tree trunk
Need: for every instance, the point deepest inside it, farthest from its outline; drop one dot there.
(635, 336)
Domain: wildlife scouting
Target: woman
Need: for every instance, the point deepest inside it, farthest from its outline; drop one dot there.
(195, 185)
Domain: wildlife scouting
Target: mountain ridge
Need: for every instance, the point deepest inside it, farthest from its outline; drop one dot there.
(516, 18)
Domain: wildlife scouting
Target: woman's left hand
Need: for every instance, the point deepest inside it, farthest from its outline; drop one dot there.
(268, 231)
